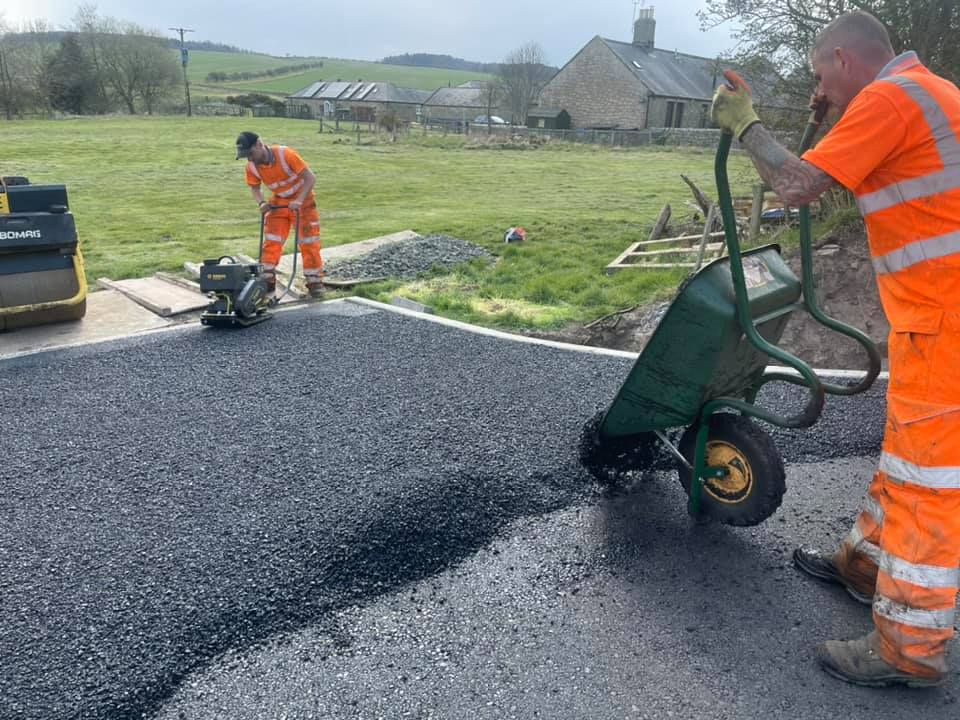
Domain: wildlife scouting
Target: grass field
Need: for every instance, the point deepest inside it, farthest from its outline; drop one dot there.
(203, 62)
(151, 193)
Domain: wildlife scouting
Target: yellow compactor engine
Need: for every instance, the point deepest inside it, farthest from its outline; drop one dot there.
(41, 268)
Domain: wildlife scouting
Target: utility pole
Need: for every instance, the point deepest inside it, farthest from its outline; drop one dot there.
(183, 61)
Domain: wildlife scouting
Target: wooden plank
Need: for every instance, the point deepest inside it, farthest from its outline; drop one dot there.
(702, 200)
(713, 247)
(661, 223)
(655, 265)
(161, 310)
(347, 283)
(711, 219)
(678, 238)
(177, 280)
(617, 263)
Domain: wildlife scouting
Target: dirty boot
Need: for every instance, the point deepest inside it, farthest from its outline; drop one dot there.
(821, 566)
(315, 289)
(859, 662)
(271, 283)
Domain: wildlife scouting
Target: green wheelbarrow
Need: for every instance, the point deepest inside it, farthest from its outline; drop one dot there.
(703, 368)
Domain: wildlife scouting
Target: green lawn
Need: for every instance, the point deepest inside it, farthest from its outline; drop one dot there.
(151, 193)
(203, 62)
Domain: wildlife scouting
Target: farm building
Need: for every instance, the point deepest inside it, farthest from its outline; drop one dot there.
(359, 101)
(548, 119)
(459, 105)
(612, 84)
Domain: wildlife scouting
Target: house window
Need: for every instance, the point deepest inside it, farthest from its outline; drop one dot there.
(670, 107)
(704, 115)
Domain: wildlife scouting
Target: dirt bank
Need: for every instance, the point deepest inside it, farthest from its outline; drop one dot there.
(846, 290)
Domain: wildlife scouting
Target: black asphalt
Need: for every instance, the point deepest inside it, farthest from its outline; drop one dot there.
(177, 497)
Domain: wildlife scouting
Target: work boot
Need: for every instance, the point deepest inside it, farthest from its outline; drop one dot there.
(859, 662)
(821, 566)
(271, 284)
(315, 289)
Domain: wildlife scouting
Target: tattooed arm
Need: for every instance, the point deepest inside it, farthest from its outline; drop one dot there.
(796, 181)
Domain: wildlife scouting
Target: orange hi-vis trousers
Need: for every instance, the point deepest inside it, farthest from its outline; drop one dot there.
(905, 544)
(277, 229)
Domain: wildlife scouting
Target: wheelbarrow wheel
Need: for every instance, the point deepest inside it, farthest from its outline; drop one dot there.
(610, 459)
(755, 481)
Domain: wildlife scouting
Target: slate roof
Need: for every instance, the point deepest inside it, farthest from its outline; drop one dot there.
(667, 72)
(471, 97)
(381, 92)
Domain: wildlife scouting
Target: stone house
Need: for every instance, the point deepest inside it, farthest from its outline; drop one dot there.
(612, 84)
(359, 101)
(458, 105)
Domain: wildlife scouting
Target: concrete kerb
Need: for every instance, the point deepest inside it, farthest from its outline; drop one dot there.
(841, 374)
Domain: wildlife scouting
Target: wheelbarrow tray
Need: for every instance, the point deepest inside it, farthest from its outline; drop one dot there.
(699, 351)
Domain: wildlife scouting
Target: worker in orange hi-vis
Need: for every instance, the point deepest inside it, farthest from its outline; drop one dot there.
(896, 146)
(290, 180)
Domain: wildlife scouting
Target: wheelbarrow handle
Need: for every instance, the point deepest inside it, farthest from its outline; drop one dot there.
(815, 401)
(818, 110)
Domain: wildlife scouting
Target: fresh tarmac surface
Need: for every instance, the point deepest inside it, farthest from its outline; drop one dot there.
(345, 512)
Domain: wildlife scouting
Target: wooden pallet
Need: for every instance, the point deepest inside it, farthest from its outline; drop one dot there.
(636, 255)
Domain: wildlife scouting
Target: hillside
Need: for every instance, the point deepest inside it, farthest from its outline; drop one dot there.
(203, 62)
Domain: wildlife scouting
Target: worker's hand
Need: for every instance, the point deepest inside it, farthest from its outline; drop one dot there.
(819, 106)
(732, 107)
(264, 207)
(295, 205)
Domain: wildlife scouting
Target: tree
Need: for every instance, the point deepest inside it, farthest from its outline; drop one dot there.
(23, 59)
(70, 79)
(136, 66)
(522, 76)
(783, 30)
(493, 92)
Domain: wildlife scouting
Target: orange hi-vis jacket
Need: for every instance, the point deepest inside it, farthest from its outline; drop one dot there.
(897, 147)
(282, 176)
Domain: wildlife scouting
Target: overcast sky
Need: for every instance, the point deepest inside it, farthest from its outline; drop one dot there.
(481, 30)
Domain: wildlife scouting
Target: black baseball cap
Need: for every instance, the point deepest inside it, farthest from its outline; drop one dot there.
(245, 143)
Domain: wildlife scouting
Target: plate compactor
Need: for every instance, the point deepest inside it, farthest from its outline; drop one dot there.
(42, 278)
(241, 296)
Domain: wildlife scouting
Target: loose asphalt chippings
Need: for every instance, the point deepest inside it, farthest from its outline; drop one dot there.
(173, 498)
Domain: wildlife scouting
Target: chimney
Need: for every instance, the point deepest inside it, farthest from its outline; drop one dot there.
(644, 29)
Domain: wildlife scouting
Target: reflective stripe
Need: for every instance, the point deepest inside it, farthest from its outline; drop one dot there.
(938, 478)
(272, 236)
(934, 619)
(862, 546)
(310, 240)
(291, 190)
(947, 146)
(282, 156)
(917, 252)
(251, 166)
(310, 272)
(269, 268)
(873, 508)
(903, 61)
(928, 576)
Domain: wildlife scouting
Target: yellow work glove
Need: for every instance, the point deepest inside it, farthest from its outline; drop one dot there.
(732, 107)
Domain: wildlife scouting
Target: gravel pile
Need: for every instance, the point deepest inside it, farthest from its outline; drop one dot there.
(408, 258)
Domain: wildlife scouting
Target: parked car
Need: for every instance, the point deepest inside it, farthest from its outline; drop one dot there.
(494, 120)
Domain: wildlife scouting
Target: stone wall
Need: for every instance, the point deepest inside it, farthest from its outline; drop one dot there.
(596, 88)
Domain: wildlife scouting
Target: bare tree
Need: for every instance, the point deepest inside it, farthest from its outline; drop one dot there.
(522, 76)
(783, 30)
(23, 61)
(493, 92)
(136, 66)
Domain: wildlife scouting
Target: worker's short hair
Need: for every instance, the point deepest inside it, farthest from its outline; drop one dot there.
(245, 142)
(857, 30)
